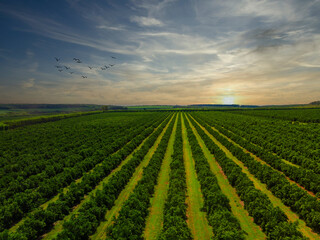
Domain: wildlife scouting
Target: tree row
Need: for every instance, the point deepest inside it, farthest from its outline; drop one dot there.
(272, 220)
(43, 219)
(174, 214)
(12, 211)
(130, 222)
(216, 205)
(306, 178)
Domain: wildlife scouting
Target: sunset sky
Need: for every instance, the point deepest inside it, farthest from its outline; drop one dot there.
(165, 52)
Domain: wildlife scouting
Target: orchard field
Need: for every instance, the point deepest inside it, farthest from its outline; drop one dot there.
(251, 174)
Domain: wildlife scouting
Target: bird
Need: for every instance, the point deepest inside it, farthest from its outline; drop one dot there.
(111, 65)
(102, 68)
(105, 66)
(71, 72)
(57, 59)
(60, 70)
(67, 67)
(90, 67)
(77, 60)
(113, 57)
(84, 76)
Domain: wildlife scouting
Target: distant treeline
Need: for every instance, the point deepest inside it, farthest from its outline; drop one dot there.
(47, 106)
(40, 119)
(315, 103)
(221, 105)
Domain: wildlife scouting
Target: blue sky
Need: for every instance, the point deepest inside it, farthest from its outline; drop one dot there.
(167, 52)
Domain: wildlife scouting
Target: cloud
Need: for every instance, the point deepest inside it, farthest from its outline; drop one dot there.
(29, 83)
(146, 21)
(117, 28)
(256, 51)
(153, 7)
(29, 53)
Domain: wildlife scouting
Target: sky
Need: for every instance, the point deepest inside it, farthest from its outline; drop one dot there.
(257, 52)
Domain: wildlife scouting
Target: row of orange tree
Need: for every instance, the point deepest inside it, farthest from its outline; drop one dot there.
(272, 220)
(174, 213)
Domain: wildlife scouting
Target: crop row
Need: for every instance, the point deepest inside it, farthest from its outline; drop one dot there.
(295, 143)
(301, 115)
(306, 206)
(84, 224)
(23, 202)
(307, 178)
(47, 184)
(41, 119)
(271, 219)
(175, 208)
(22, 146)
(77, 190)
(44, 144)
(216, 205)
(32, 157)
(42, 220)
(305, 162)
(130, 222)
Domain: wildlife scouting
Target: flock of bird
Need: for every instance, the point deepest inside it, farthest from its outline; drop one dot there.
(62, 68)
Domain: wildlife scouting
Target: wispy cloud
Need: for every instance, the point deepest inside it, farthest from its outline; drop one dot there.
(256, 51)
(28, 83)
(116, 28)
(146, 21)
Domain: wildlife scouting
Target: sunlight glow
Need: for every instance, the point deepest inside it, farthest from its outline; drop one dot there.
(228, 100)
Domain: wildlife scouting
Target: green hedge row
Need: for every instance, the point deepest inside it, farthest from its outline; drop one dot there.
(42, 220)
(216, 205)
(272, 220)
(174, 214)
(130, 222)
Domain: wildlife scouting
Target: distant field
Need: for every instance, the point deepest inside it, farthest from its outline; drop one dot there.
(21, 111)
(149, 107)
(246, 174)
(301, 114)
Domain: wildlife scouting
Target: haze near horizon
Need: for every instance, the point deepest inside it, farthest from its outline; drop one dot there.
(160, 52)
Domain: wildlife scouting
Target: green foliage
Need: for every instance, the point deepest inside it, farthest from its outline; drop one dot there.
(174, 220)
(269, 218)
(216, 204)
(90, 214)
(76, 191)
(308, 115)
(130, 222)
(41, 119)
(305, 205)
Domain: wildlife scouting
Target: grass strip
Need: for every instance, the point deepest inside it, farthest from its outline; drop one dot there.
(130, 222)
(154, 220)
(253, 231)
(175, 209)
(216, 205)
(197, 220)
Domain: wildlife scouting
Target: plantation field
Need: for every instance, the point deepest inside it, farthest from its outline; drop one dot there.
(249, 174)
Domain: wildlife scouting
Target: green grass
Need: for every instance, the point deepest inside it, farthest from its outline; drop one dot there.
(197, 220)
(306, 231)
(246, 222)
(154, 221)
(101, 232)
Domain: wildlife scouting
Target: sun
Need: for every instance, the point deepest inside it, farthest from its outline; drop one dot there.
(228, 100)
